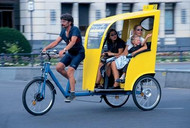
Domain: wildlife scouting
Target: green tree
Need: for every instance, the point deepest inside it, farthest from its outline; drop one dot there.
(12, 41)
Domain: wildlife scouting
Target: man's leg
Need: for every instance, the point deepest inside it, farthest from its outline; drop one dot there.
(60, 67)
(70, 74)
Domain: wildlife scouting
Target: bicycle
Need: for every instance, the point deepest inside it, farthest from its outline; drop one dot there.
(39, 94)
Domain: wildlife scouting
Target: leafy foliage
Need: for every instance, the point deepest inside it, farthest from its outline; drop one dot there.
(12, 41)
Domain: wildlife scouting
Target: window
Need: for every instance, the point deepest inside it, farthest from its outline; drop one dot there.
(98, 14)
(10, 14)
(95, 35)
(147, 23)
(66, 8)
(6, 19)
(110, 9)
(183, 16)
(127, 7)
(83, 17)
(169, 18)
(52, 17)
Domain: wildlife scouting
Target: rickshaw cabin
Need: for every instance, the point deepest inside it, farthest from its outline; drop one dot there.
(141, 64)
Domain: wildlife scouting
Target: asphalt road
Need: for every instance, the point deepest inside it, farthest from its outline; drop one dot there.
(172, 112)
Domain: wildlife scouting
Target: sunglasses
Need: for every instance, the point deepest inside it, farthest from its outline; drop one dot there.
(113, 34)
(139, 29)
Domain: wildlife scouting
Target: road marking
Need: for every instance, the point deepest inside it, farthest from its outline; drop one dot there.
(171, 108)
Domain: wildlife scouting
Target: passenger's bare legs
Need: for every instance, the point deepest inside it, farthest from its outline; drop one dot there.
(115, 73)
(108, 69)
(108, 72)
(98, 79)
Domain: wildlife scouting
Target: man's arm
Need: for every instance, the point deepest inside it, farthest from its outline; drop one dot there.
(53, 44)
(70, 45)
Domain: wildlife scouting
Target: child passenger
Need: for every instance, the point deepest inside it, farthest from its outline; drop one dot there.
(121, 62)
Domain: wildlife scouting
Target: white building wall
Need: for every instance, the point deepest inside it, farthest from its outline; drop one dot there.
(182, 30)
(161, 27)
(52, 30)
(44, 30)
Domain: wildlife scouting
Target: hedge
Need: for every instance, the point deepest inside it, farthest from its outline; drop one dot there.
(13, 41)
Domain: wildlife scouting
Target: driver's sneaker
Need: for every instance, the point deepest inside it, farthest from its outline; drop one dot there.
(70, 98)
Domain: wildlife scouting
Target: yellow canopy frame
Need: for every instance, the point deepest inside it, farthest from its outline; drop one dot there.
(139, 65)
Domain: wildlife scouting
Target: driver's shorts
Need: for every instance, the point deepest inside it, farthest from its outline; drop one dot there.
(72, 60)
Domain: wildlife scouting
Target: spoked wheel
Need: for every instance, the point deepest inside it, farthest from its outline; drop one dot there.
(116, 101)
(34, 100)
(146, 93)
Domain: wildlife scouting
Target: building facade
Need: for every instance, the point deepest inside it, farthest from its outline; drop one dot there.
(10, 14)
(40, 19)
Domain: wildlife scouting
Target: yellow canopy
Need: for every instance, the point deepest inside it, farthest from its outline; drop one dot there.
(142, 64)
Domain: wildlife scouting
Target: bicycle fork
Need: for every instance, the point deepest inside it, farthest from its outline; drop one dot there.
(44, 75)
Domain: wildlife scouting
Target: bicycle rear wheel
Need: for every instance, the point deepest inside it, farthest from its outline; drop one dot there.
(34, 101)
(116, 101)
(146, 93)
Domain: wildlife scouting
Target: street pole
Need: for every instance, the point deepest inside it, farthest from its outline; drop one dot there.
(31, 9)
(31, 28)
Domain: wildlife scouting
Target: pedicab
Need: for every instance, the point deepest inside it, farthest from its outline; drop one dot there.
(39, 94)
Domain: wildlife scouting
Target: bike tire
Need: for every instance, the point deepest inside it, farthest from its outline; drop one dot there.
(116, 101)
(146, 93)
(33, 102)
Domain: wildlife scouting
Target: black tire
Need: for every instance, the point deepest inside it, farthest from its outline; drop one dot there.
(116, 101)
(32, 100)
(146, 93)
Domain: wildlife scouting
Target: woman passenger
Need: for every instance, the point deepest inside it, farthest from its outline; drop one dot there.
(115, 47)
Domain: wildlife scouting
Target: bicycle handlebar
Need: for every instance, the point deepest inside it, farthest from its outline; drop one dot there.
(49, 53)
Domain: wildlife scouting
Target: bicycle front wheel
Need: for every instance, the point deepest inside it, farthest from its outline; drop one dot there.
(37, 101)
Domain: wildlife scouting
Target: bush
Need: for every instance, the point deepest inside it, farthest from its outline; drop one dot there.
(12, 41)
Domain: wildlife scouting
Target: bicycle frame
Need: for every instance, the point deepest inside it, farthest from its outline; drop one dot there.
(66, 93)
(47, 70)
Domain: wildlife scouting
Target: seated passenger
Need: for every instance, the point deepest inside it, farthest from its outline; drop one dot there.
(137, 30)
(122, 64)
(115, 47)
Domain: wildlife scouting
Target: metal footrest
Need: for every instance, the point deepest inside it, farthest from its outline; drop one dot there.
(108, 90)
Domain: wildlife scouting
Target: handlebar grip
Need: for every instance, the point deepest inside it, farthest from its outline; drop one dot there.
(43, 53)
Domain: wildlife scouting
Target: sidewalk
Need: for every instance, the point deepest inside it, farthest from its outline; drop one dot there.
(175, 66)
(168, 74)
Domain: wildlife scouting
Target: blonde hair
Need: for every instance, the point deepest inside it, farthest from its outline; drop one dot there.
(134, 37)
